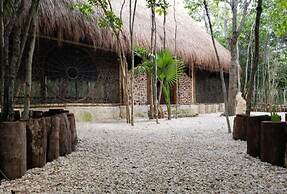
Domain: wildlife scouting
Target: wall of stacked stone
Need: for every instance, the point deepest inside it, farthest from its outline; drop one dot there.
(140, 89)
(185, 90)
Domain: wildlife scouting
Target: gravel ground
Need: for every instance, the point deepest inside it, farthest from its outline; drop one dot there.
(189, 155)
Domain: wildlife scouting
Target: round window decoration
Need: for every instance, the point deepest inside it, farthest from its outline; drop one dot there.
(72, 72)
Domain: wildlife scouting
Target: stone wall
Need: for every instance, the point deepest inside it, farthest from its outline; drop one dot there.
(208, 87)
(185, 90)
(140, 89)
(141, 94)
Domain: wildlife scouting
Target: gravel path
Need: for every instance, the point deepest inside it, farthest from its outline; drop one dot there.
(180, 156)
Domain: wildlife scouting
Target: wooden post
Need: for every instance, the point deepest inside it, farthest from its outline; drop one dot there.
(36, 143)
(44, 87)
(253, 134)
(13, 149)
(239, 127)
(273, 142)
(64, 135)
(193, 85)
(73, 130)
(53, 148)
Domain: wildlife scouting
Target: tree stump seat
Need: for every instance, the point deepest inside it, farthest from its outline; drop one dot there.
(253, 134)
(273, 142)
(240, 127)
(13, 149)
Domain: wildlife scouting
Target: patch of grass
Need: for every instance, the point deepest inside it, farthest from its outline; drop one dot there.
(87, 117)
(184, 113)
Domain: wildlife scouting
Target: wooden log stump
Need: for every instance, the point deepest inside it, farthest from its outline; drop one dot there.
(240, 127)
(74, 137)
(48, 125)
(36, 143)
(273, 142)
(13, 149)
(53, 147)
(65, 135)
(17, 115)
(53, 112)
(36, 114)
(253, 134)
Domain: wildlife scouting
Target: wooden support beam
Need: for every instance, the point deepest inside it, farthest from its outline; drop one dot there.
(193, 95)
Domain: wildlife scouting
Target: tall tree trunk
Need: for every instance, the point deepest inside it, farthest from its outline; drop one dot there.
(164, 47)
(28, 82)
(223, 86)
(150, 78)
(256, 57)
(153, 50)
(247, 64)
(152, 112)
(175, 52)
(31, 16)
(131, 26)
(2, 34)
(236, 30)
(225, 20)
(13, 60)
(249, 51)
(10, 74)
(232, 89)
(164, 26)
(128, 113)
(160, 91)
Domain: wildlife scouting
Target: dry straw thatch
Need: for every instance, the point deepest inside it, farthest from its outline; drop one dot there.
(194, 46)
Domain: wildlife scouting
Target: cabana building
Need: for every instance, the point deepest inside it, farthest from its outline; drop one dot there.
(76, 66)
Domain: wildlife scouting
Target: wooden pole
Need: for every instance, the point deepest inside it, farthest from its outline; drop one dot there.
(221, 69)
(28, 81)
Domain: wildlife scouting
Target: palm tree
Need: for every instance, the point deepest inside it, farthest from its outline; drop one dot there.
(169, 70)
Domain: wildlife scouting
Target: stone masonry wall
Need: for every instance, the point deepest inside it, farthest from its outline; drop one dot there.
(185, 90)
(140, 89)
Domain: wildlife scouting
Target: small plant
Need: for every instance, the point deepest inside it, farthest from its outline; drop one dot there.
(274, 116)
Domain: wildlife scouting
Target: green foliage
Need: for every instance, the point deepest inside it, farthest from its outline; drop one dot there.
(87, 117)
(274, 116)
(169, 68)
(278, 16)
(146, 66)
(169, 71)
(109, 18)
(85, 8)
(160, 6)
(216, 7)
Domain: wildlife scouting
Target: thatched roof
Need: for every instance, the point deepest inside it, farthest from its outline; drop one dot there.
(194, 46)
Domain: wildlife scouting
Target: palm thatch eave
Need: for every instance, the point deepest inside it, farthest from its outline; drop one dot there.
(57, 19)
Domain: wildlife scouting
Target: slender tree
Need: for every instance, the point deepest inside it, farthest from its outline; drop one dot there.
(132, 10)
(249, 52)
(233, 46)
(255, 58)
(20, 26)
(28, 80)
(152, 4)
(175, 53)
(2, 48)
(223, 86)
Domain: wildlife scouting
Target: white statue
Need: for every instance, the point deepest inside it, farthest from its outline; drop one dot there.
(240, 104)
